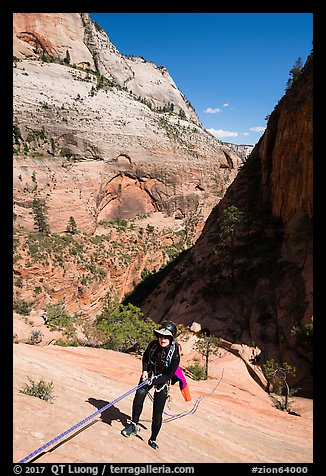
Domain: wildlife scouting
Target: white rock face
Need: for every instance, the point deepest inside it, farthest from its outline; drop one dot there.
(64, 120)
(54, 33)
(101, 136)
(86, 44)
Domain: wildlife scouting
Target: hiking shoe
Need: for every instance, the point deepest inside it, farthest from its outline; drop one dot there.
(129, 430)
(153, 444)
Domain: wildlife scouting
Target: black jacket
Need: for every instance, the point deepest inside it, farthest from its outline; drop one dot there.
(162, 362)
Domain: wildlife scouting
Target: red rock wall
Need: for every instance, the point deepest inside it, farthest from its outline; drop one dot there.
(271, 292)
(288, 145)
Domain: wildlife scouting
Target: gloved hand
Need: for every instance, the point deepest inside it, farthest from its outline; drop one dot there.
(144, 375)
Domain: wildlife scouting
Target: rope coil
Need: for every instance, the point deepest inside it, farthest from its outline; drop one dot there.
(195, 406)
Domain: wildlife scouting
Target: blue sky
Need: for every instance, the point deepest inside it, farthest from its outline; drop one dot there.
(232, 67)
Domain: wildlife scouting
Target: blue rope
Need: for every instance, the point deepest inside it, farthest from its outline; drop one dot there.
(57, 438)
(196, 404)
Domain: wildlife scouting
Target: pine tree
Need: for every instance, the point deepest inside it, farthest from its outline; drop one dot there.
(67, 58)
(40, 215)
(72, 226)
(232, 216)
(294, 73)
(207, 345)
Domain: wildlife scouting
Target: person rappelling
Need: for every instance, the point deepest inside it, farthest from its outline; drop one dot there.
(160, 367)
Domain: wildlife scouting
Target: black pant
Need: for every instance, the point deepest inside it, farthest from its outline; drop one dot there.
(158, 407)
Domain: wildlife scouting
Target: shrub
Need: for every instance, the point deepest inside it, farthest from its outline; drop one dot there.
(57, 317)
(35, 337)
(197, 372)
(277, 378)
(65, 343)
(22, 307)
(125, 327)
(304, 335)
(40, 390)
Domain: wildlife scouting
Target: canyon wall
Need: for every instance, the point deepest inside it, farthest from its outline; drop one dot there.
(255, 287)
(103, 142)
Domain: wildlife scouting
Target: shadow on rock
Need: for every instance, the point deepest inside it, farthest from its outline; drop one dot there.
(111, 413)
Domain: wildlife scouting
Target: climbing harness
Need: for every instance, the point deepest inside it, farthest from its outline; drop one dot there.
(162, 361)
(195, 406)
(161, 387)
(165, 359)
(90, 417)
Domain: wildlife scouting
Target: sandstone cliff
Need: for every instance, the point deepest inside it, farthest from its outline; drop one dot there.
(255, 287)
(143, 143)
(242, 150)
(134, 175)
(134, 172)
(77, 40)
(100, 139)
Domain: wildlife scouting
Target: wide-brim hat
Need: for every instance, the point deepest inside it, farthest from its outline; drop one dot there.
(162, 332)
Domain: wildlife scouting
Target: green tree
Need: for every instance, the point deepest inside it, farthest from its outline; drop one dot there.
(207, 345)
(17, 134)
(277, 379)
(40, 215)
(182, 114)
(125, 326)
(294, 73)
(67, 58)
(22, 307)
(57, 318)
(71, 226)
(232, 216)
(304, 335)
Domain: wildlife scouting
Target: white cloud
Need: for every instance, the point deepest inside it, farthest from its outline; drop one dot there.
(219, 133)
(244, 133)
(226, 104)
(257, 129)
(214, 110)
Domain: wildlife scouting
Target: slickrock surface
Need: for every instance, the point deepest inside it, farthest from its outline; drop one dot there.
(235, 423)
